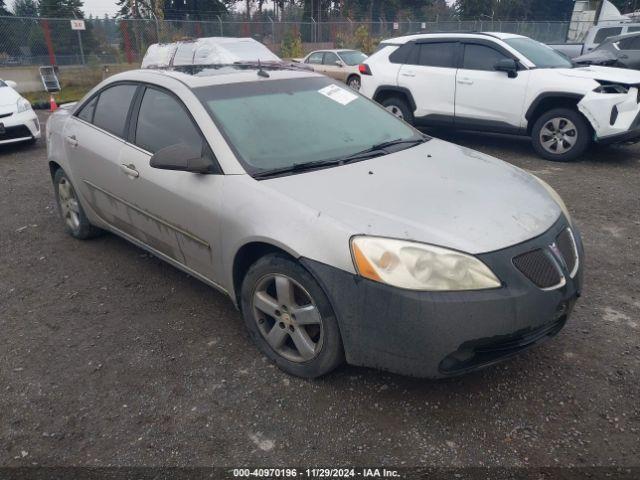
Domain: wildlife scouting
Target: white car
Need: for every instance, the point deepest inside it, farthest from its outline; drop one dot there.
(18, 121)
(504, 83)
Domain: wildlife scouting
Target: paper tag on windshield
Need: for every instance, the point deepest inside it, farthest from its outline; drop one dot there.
(337, 94)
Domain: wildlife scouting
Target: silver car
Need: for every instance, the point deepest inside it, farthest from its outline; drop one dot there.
(339, 231)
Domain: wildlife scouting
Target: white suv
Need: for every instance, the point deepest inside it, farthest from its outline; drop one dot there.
(504, 83)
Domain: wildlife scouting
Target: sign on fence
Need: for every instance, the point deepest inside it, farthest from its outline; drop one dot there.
(396, 26)
(78, 25)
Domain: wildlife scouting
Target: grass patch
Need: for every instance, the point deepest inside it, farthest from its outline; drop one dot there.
(68, 94)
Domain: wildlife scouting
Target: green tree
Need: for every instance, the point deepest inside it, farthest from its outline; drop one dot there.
(25, 8)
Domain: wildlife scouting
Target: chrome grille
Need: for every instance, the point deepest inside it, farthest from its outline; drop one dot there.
(540, 268)
(567, 246)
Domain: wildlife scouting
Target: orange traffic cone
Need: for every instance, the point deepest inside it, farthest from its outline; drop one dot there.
(52, 104)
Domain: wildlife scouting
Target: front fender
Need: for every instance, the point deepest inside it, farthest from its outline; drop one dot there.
(611, 113)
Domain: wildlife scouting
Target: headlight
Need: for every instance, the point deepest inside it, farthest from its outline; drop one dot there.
(23, 105)
(418, 266)
(555, 197)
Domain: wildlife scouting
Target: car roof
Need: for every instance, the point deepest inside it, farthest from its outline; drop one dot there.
(420, 36)
(207, 76)
(335, 50)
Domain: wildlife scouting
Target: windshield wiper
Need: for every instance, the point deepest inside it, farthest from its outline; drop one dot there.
(372, 152)
(296, 167)
(400, 141)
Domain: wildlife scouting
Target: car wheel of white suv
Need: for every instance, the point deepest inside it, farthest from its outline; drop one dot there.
(399, 108)
(561, 135)
(289, 317)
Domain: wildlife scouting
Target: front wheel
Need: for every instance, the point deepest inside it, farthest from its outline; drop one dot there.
(289, 317)
(561, 135)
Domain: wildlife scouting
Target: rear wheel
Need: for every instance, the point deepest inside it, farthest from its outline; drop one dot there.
(289, 317)
(399, 107)
(561, 135)
(76, 222)
(354, 82)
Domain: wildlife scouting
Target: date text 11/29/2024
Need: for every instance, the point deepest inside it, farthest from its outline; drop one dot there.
(315, 473)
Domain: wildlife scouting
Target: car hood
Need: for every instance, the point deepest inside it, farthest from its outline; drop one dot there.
(436, 193)
(597, 57)
(8, 97)
(608, 74)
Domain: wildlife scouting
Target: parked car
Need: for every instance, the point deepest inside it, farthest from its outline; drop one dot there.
(622, 51)
(212, 51)
(499, 82)
(372, 243)
(339, 64)
(594, 37)
(18, 121)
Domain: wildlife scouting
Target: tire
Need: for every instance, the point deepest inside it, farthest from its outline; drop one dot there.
(274, 313)
(573, 130)
(70, 209)
(399, 107)
(354, 82)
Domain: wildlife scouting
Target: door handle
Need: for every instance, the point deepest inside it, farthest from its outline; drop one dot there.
(465, 81)
(72, 140)
(408, 74)
(130, 170)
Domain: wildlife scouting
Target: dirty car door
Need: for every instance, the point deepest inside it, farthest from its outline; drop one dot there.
(94, 143)
(173, 211)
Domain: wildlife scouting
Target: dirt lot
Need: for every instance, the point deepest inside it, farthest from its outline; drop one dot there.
(110, 357)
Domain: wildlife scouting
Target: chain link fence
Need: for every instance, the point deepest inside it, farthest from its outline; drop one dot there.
(44, 41)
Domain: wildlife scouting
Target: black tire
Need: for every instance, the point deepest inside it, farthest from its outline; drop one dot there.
(82, 229)
(402, 107)
(582, 133)
(328, 353)
(354, 82)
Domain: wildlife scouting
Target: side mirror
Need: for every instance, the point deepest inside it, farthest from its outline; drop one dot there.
(11, 83)
(184, 158)
(339, 63)
(507, 65)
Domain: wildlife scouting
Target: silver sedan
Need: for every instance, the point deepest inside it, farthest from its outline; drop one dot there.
(339, 231)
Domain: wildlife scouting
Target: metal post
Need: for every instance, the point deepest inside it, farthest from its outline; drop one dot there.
(221, 28)
(80, 44)
(273, 30)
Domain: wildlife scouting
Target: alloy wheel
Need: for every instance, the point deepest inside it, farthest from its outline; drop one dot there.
(69, 205)
(558, 135)
(288, 318)
(354, 83)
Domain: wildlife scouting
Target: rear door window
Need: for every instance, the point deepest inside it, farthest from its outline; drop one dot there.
(315, 58)
(438, 54)
(112, 108)
(163, 121)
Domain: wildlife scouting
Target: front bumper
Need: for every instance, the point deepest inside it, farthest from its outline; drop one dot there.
(19, 127)
(615, 118)
(439, 334)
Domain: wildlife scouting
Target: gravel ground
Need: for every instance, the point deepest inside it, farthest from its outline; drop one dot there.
(108, 356)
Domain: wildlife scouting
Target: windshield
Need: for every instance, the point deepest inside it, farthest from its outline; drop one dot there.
(541, 55)
(2, 84)
(273, 125)
(353, 57)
